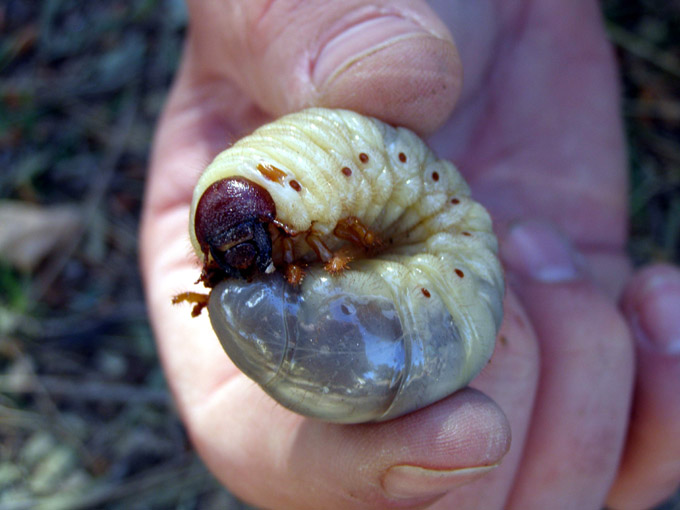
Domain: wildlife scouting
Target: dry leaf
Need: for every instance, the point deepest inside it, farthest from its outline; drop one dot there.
(29, 233)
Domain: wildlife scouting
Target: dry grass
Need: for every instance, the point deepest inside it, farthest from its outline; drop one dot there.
(86, 420)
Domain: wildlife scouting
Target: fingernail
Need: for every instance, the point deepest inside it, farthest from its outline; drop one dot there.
(362, 39)
(536, 250)
(413, 481)
(657, 308)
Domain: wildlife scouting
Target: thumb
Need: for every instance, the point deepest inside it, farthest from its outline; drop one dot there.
(391, 59)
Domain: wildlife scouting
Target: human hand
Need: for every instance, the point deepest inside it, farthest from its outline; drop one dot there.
(536, 132)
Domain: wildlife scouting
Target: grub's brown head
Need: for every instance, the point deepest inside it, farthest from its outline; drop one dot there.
(231, 226)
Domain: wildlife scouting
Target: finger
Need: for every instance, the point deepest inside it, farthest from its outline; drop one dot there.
(582, 404)
(275, 459)
(650, 470)
(391, 59)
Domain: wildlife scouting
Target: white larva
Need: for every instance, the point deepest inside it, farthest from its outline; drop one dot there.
(411, 318)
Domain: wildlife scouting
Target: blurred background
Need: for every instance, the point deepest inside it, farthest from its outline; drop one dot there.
(86, 420)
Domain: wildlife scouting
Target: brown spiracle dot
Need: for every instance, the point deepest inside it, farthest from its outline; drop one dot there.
(460, 273)
(346, 171)
(402, 157)
(363, 157)
(295, 185)
(468, 234)
(271, 172)
(425, 292)
(435, 176)
(455, 201)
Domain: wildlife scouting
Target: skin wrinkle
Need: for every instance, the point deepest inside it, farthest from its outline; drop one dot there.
(356, 18)
(269, 28)
(348, 63)
(211, 399)
(358, 62)
(266, 12)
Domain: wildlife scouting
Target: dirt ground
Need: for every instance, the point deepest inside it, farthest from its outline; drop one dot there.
(86, 420)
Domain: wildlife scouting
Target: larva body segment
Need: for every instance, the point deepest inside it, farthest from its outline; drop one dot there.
(414, 317)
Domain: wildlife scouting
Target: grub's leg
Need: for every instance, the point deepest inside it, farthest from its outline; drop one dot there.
(353, 230)
(337, 263)
(333, 262)
(294, 273)
(199, 300)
